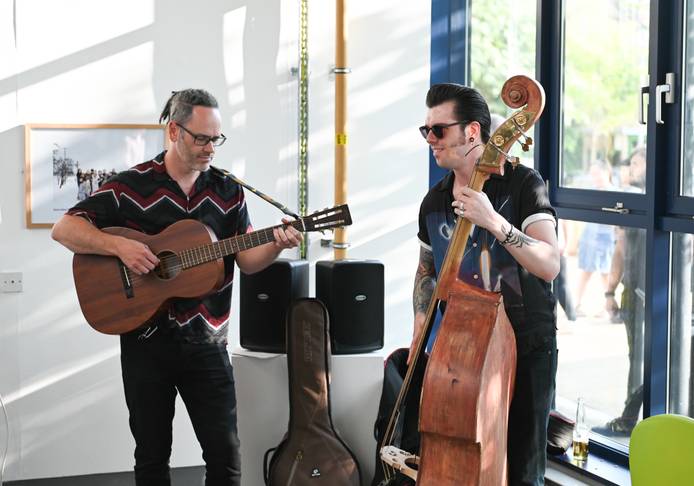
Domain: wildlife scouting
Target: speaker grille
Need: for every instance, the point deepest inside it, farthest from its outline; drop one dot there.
(353, 292)
(265, 297)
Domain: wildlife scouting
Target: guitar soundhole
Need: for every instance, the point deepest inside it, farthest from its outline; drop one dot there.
(169, 265)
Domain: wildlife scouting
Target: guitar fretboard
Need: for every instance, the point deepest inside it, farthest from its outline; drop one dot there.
(219, 249)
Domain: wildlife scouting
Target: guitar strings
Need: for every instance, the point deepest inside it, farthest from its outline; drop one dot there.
(208, 253)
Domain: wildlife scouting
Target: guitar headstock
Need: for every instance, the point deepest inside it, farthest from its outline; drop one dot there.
(327, 219)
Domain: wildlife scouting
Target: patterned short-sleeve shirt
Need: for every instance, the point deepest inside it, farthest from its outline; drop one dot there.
(145, 198)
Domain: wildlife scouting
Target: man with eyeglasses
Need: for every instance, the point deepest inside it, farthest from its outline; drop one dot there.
(182, 350)
(512, 249)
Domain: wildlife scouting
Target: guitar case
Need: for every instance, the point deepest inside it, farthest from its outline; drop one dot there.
(311, 452)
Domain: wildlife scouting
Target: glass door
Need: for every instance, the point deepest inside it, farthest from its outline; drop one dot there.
(600, 188)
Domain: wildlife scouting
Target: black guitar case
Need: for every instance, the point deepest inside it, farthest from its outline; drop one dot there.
(312, 452)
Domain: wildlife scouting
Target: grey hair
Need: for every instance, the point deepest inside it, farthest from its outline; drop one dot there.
(179, 107)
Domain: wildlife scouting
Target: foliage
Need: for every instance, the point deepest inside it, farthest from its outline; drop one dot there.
(605, 59)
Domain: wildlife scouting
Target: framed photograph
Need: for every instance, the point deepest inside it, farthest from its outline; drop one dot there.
(66, 163)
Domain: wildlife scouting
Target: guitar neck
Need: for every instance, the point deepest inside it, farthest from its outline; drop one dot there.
(219, 249)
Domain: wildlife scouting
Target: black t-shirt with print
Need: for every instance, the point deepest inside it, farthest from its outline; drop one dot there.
(520, 196)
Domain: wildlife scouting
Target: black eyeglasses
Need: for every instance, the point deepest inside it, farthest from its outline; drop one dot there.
(438, 128)
(203, 140)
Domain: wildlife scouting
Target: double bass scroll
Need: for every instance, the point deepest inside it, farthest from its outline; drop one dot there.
(468, 382)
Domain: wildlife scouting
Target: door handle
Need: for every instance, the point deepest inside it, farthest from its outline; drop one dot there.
(642, 111)
(618, 208)
(667, 89)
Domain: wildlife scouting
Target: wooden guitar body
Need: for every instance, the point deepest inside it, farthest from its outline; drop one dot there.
(114, 300)
(467, 392)
(113, 305)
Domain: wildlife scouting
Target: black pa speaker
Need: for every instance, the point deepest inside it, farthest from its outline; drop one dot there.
(265, 297)
(352, 290)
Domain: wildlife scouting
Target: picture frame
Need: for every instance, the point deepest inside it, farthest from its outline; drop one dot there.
(65, 163)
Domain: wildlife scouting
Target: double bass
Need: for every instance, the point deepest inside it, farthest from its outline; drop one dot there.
(468, 382)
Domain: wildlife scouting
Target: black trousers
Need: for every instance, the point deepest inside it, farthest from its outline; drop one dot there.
(533, 394)
(154, 370)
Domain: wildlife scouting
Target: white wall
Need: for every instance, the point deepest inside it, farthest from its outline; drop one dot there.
(78, 61)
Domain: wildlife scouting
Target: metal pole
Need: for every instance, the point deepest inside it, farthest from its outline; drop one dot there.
(341, 70)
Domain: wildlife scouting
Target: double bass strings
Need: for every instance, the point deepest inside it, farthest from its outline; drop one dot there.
(389, 471)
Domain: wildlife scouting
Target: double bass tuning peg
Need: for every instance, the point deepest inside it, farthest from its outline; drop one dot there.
(509, 158)
(528, 141)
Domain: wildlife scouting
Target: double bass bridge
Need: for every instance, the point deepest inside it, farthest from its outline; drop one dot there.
(401, 461)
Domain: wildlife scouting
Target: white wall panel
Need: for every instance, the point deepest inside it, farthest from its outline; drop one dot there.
(117, 62)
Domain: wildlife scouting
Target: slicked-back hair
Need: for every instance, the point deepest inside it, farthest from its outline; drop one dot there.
(179, 107)
(468, 104)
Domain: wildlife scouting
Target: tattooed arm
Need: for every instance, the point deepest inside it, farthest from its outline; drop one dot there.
(424, 283)
(536, 250)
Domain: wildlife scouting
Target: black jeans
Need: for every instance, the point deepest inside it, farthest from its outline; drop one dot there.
(536, 370)
(154, 370)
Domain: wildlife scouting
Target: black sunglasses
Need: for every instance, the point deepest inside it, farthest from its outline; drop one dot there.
(437, 129)
(203, 140)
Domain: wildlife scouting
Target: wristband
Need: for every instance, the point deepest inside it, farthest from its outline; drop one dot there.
(609, 294)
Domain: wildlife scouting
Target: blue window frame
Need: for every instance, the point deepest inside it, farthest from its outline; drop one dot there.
(659, 211)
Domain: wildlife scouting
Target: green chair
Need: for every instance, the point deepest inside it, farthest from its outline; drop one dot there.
(661, 452)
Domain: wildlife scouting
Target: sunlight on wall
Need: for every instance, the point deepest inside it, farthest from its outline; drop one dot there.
(406, 140)
(234, 23)
(8, 110)
(8, 65)
(125, 76)
(116, 62)
(42, 38)
(55, 376)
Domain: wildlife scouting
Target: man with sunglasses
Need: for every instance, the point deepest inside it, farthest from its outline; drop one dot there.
(182, 350)
(512, 249)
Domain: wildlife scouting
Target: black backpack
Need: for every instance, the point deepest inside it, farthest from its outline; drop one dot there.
(406, 435)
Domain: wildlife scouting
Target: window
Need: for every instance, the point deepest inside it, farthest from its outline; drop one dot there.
(617, 155)
(605, 59)
(601, 337)
(502, 45)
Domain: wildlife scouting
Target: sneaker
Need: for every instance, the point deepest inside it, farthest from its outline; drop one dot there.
(619, 427)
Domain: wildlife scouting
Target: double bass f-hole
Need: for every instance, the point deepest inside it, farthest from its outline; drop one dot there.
(468, 381)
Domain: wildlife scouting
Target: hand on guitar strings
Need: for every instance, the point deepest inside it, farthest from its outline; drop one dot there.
(136, 255)
(287, 236)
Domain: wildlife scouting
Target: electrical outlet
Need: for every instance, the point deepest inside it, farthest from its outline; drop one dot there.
(10, 282)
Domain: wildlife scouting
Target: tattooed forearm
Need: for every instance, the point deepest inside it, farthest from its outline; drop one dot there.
(424, 281)
(516, 238)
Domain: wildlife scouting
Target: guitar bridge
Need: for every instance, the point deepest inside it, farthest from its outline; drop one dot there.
(127, 283)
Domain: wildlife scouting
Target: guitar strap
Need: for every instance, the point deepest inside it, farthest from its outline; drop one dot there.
(260, 194)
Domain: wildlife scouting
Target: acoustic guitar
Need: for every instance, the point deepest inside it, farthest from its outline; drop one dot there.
(115, 300)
